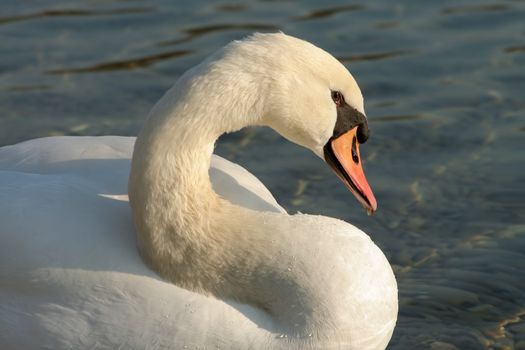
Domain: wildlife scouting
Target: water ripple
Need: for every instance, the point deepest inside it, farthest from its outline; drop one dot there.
(512, 49)
(328, 12)
(231, 7)
(373, 56)
(25, 88)
(134, 63)
(474, 8)
(195, 32)
(391, 118)
(74, 12)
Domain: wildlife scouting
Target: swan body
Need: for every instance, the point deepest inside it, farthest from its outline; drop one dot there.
(219, 263)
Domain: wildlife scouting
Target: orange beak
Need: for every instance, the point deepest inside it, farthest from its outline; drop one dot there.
(342, 154)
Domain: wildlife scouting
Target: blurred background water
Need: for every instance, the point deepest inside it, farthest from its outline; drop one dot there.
(444, 87)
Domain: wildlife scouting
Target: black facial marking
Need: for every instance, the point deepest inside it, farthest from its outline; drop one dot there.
(347, 119)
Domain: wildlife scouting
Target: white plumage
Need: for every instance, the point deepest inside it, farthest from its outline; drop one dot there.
(70, 272)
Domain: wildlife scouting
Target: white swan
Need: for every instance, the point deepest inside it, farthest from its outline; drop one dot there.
(244, 274)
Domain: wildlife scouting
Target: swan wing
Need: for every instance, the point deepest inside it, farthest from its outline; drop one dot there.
(106, 160)
(70, 273)
(239, 186)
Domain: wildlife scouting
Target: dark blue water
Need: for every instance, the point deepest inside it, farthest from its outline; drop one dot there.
(444, 87)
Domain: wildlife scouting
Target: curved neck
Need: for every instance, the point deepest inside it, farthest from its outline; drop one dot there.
(169, 180)
(186, 232)
(175, 209)
(199, 241)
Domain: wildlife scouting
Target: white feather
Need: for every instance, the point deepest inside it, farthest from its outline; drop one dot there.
(244, 274)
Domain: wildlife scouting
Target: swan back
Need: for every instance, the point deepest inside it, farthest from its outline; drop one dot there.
(70, 273)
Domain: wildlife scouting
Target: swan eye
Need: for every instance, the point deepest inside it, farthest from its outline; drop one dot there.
(338, 98)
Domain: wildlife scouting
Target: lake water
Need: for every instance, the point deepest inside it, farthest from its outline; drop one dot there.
(444, 87)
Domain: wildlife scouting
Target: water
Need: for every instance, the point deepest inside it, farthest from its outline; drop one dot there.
(444, 87)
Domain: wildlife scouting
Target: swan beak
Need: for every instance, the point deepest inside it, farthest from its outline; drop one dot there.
(342, 154)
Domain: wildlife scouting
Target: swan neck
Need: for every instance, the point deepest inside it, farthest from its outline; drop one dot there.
(199, 241)
(175, 208)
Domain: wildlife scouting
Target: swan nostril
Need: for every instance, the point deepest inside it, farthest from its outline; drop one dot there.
(355, 157)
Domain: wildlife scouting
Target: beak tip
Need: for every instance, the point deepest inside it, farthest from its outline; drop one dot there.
(372, 207)
(341, 153)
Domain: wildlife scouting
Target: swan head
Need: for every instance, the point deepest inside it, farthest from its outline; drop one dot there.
(312, 100)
